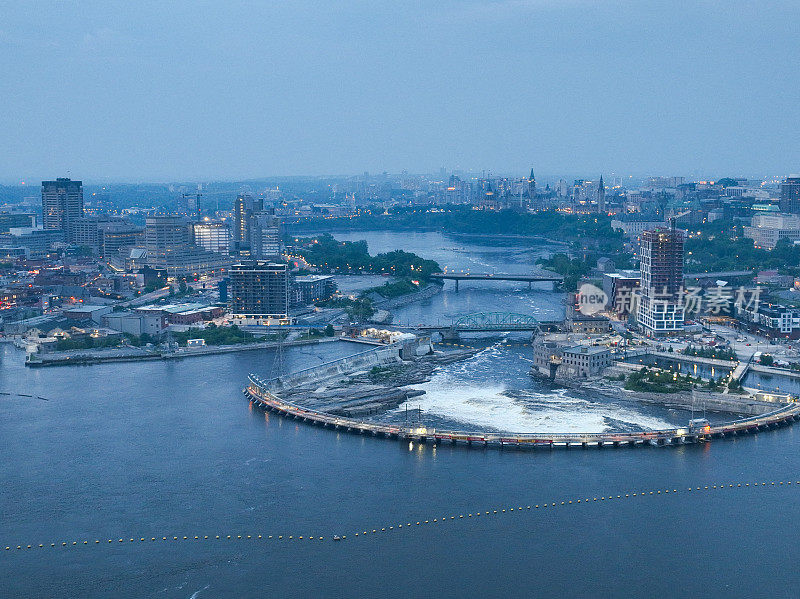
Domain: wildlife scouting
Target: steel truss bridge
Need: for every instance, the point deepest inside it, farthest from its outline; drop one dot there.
(484, 322)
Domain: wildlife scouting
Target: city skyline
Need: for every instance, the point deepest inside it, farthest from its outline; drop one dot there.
(183, 94)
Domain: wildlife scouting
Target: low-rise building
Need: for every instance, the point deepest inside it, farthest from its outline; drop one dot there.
(583, 361)
(621, 289)
(767, 229)
(85, 312)
(313, 288)
(134, 323)
(771, 320)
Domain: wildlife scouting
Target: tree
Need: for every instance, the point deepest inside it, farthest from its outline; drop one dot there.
(766, 360)
(329, 332)
(182, 287)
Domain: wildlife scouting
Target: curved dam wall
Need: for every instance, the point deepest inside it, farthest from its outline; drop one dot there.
(380, 356)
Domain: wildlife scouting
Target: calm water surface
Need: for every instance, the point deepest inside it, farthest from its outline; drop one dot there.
(173, 449)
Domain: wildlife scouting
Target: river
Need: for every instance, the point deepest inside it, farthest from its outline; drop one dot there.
(172, 449)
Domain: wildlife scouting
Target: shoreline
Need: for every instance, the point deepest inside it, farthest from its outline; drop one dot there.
(78, 359)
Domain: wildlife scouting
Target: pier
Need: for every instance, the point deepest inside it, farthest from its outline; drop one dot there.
(258, 392)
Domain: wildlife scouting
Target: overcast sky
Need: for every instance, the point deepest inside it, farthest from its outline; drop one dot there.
(196, 91)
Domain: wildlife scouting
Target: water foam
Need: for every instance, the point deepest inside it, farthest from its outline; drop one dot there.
(494, 406)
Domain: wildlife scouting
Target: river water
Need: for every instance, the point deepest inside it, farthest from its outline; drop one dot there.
(172, 449)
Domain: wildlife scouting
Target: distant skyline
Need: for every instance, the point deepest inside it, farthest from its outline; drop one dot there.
(162, 92)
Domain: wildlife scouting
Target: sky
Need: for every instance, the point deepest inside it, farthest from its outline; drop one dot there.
(177, 91)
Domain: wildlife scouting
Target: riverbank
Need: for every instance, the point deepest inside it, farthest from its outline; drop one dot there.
(692, 400)
(101, 356)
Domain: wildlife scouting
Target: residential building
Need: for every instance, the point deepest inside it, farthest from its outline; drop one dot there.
(259, 293)
(62, 204)
(265, 236)
(771, 320)
(661, 309)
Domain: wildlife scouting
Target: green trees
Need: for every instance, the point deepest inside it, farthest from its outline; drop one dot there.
(330, 255)
(718, 353)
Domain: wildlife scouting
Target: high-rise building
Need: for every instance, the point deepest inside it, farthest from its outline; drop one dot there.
(169, 246)
(243, 209)
(189, 205)
(790, 195)
(214, 236)
(259, 293)
(163, 236)
(62, 204)
(601, 196)
(265, 236)
(661, 309)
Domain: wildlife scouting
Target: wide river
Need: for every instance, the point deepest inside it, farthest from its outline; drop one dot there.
(172, 449)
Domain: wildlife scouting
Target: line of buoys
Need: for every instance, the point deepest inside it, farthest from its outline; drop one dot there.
(565, 502)
(568, 502)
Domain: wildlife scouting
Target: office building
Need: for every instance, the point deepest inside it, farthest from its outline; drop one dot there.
(622, 290)
(790, 195)
(16, 219)
(265, 236)
(661, 309)
(62, 204)
(243, 209)
(118, 235)
(37, 242)
(259, 293)
(169, 247)
(189, 205)
(313, 288)
(768, 228)
(213, 236)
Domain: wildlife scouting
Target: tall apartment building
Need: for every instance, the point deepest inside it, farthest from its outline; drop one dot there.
(259, 293)
(661, 309)
(62, 204)
(790, 195)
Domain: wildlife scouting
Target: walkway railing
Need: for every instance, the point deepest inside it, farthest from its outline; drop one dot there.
(258, 392)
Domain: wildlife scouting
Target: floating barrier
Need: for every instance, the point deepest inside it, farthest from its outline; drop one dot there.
(234, 538)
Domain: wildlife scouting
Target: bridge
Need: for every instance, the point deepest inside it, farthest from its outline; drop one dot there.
(257, 391)
(487, 322)
(490, 276)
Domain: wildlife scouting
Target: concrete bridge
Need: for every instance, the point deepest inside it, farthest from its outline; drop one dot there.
(489, 276)
(257, 391)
